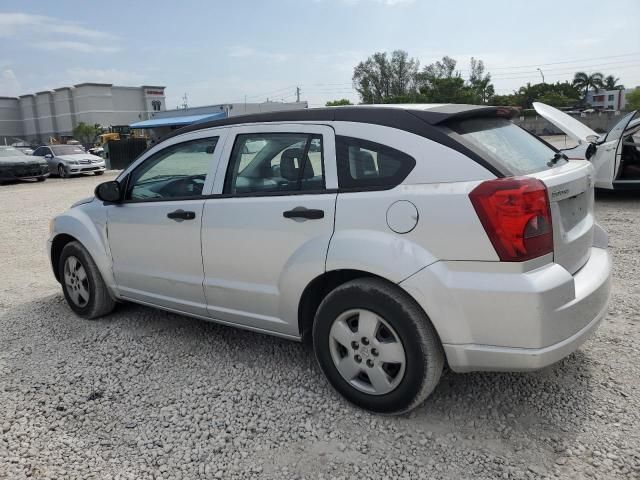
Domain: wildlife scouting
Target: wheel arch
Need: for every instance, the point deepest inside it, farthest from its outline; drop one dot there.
(79, 227)
(317, 290)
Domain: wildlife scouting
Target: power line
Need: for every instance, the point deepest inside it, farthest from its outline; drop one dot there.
(567, 61)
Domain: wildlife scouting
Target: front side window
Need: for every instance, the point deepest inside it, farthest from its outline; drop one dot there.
(365, 164)
(178, 171)
(275, 162)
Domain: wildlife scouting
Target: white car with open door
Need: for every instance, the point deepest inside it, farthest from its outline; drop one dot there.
(615, 155)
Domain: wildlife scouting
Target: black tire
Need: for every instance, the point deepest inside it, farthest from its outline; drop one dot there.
(423, 350)
(97, 174)
(41, 179)
(62, 171)
(100, 301)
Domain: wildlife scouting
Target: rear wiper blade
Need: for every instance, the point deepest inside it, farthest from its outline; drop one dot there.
(556, 158)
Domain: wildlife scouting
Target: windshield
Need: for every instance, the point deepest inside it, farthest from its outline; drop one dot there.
(508, 144)
(10, 152)
(67, 149)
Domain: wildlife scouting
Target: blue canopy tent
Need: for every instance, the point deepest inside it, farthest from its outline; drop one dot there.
(177, 121)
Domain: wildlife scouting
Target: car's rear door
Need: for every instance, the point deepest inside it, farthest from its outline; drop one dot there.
(154, 234)
(266, 231)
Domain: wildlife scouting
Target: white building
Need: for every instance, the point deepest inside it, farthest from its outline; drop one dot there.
(36, 117)
(609, 99)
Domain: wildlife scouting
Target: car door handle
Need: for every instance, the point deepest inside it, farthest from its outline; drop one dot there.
(179, 215)
(305, 213)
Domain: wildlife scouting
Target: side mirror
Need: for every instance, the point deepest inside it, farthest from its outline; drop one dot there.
(109, 192)
(48, 155)
(591, 149)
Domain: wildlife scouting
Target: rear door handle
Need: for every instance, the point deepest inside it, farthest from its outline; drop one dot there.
(179, 215)
(304, 213)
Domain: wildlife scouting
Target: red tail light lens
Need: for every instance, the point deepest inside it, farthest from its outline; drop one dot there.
(515, 214)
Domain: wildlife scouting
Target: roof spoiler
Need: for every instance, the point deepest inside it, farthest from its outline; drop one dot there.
(448, 113)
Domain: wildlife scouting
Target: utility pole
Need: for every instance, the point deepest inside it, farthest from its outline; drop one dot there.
(298, 94)
(541, 74)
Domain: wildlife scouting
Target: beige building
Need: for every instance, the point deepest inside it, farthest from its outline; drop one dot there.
(36, 117)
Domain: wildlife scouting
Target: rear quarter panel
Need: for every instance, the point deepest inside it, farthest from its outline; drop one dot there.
(439, 185)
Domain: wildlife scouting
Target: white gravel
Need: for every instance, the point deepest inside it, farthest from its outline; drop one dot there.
(144, 394)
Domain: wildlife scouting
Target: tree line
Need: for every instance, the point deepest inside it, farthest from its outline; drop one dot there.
(398, 78)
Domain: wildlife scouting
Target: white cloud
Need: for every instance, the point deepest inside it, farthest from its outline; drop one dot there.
(75, 46)
(14, 23)
(54, 33)
(109, 75)
(240, 51)
(9, 84)
(389, 3)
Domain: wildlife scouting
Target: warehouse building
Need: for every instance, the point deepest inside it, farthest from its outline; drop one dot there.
(37, 117)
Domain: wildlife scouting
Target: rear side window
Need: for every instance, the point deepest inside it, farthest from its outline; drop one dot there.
(500, 139)
(365, 164)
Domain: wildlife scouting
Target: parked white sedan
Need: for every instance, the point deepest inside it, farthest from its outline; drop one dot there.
(67, 160)
(395, 239)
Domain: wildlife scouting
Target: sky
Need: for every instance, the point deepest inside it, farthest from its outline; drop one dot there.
(250, 50)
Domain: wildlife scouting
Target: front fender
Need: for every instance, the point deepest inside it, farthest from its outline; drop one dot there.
(88, 224)
(387, 255)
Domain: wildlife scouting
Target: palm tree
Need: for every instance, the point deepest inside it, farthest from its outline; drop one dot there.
(582, 80)
(611, 83)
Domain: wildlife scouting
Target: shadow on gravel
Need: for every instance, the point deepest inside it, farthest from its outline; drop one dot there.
(558, 398)
(618, 195)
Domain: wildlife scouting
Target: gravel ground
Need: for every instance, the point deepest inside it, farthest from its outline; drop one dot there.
(145, 394)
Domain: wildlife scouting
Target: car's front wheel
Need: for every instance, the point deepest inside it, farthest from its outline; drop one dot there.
(62, 171)
(99, 173)
(41, 179)
(83, 286)
(377, 347)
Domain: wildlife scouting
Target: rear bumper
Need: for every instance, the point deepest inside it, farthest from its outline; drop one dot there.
(512, 321)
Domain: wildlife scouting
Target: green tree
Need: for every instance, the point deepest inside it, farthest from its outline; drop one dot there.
(555, 99)
(611, 83)
(584, 81)
(337, 103)
(85, 133)
(633, 100)
(379, 78)
(480, 82)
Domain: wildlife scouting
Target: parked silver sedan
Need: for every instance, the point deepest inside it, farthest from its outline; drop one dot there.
(67, 160)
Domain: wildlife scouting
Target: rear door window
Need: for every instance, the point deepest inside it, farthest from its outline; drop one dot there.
(275, 162)
(363, 164)
(500, 139)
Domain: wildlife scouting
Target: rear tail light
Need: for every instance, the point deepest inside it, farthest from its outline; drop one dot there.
(515, 214)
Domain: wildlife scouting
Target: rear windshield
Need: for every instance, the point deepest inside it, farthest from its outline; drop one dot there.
(507, 144)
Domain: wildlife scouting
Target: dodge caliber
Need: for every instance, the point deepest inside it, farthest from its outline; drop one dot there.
(395, 239)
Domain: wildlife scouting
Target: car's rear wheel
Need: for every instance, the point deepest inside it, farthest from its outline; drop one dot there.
(82, 284)
(377, 347)
(62, 171)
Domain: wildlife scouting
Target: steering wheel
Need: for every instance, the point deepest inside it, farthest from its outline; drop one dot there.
(184, 187)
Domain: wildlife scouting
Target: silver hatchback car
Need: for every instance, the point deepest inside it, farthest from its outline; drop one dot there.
(396, 239)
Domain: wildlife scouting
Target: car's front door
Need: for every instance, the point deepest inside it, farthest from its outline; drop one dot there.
(154, 234)
(266, 229)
